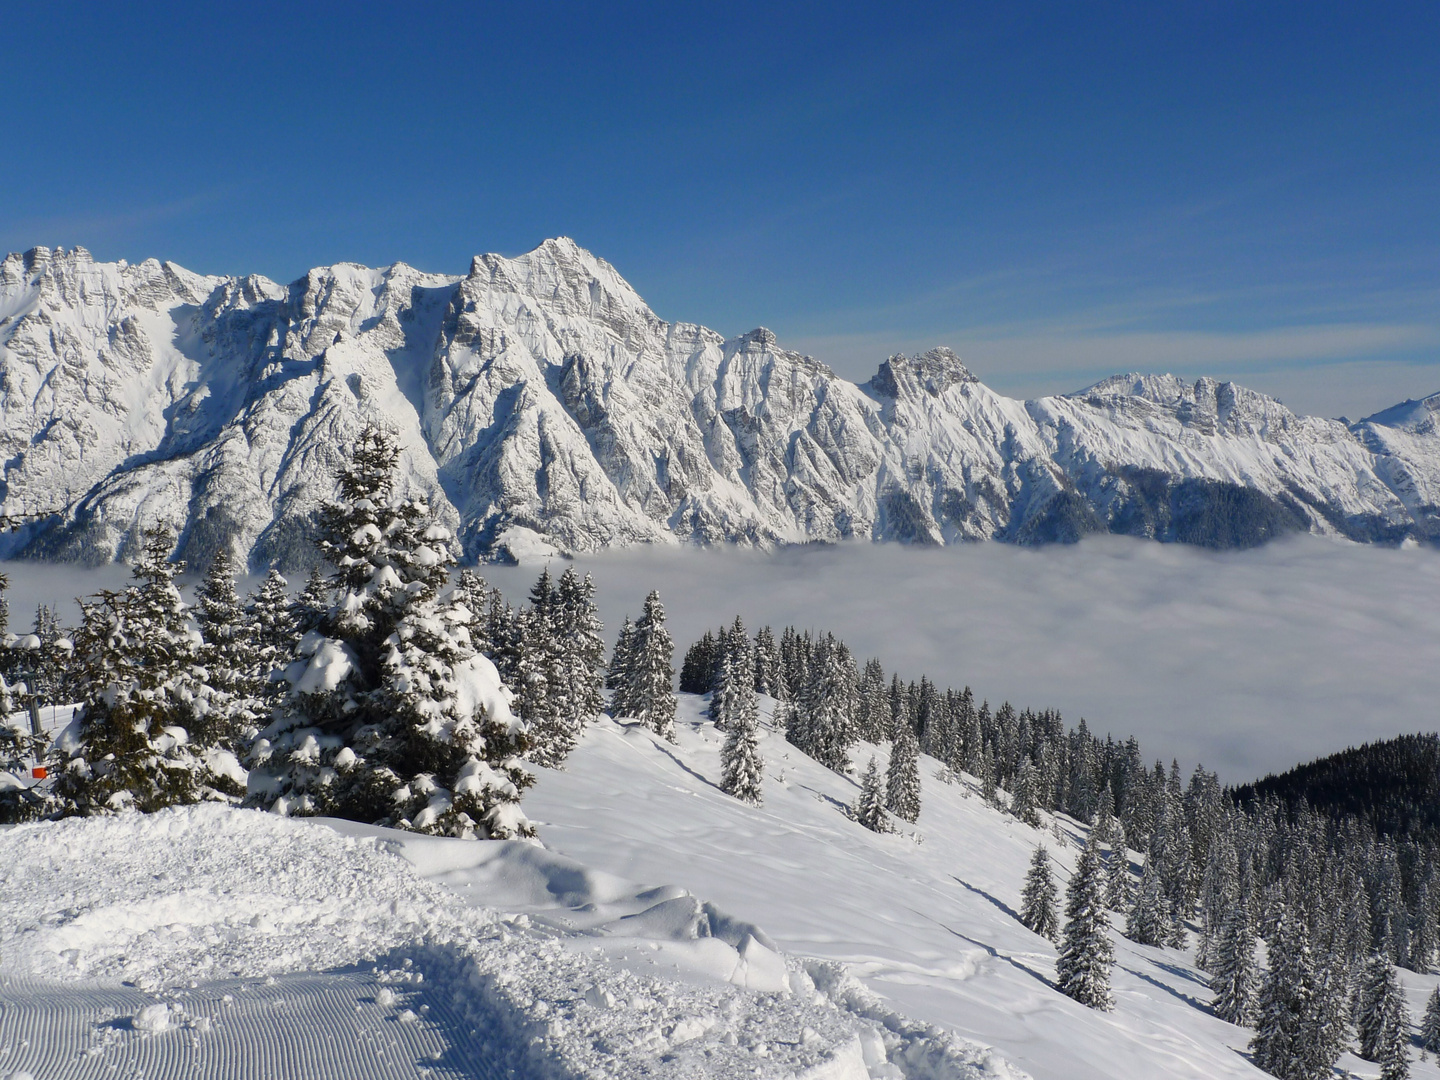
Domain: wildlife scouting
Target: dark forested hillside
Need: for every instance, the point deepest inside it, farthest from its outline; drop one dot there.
(1394, 785)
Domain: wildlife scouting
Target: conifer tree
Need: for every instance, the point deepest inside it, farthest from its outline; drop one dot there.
(767, 662)
(902, 779)
(1286, 1004)
(617, 672)
(740, 760)
(272, 623)
(825, 706)
(230, 653)
(391, 717)
(1369, 1005)
(1149, 920)
(1037, 899)
(1086, 952)
(1430, 1025)
(646, 693)
(1022, 798)
(1233, 981)
(142, 730)
(309, 609)
(695, 670)
(1393, 1051)
(582, 632)
(869, 808)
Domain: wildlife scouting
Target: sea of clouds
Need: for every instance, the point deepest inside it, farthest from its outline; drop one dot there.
(1246, 661)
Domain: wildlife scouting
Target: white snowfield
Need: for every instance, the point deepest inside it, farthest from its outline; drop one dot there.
(541, 405)
(211, 942)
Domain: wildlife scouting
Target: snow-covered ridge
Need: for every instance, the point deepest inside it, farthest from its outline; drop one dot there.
(542, 406)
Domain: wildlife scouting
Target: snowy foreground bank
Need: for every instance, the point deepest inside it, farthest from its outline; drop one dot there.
(209, 942)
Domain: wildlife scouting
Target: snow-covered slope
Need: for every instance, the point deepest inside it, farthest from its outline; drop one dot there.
(925, 920)
(542, 405)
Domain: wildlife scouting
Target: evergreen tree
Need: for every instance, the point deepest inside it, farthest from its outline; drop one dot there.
(1149, 920)
(1234, 979)
(740, 760)
(824, 707)
(142, 731)
(696, 668)
(1286, 1005)
(1393, 1051)
(646, 693)
(1430, 1025)
(230, 653)
(767, 663)
(1037, 899)
(271, 621)
(1370, 1005)
(1086, 952)
(869, 808)
(902, 780)
(391, 717)
(617, 672)
(310, 608)
(1022, 798)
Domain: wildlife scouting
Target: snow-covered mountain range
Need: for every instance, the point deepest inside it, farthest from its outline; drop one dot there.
(542, 405)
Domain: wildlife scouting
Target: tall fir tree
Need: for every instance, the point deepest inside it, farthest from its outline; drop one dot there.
(869, 808)
(647, 693)
(902, 778)
(742, 767)
(1037, 898)
(142, 741)
(230, 653)
(1086, 953)
(1430, 1024)
(1149, 920)
(1286, 1006)
(1233, 980)
(391, 716)
(618, 669)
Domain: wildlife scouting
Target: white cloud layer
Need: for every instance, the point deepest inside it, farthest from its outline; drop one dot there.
(1245, 661)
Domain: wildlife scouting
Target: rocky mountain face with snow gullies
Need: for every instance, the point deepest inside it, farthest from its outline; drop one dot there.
(542, 406)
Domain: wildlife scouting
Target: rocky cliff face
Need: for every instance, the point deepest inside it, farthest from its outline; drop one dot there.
(542, 406)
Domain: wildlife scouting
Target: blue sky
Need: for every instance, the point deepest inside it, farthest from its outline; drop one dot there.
(1058, 191)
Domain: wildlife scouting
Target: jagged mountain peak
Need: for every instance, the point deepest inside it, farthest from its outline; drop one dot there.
(543, 406)
(1409, 415)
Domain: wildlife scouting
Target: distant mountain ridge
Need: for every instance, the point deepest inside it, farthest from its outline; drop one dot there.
(542, 406)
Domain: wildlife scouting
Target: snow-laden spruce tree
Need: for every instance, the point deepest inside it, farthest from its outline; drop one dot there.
(1286, 1008)
(619, 667)
(1022, 795)
(741, 764)
(869, 808)
(541, 688)
(391, 716)
(1369, 998)
(230, 653)
(732, 652)
(767, 663)
(143, 729)
(1233, 979)
(1037, 898)
(647, 691)
(825, 706)
(581, 630)
(1383, 1023)
(1430, 1024)
(1149, 920)
(1082, 970)
(271, 622)
(1393, 1049)
(902, 778)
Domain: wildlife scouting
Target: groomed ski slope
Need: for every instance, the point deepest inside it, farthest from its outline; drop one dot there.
(664, 930)
(925, 920)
